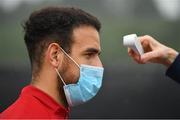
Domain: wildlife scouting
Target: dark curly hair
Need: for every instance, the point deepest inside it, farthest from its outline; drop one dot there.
(54, 24)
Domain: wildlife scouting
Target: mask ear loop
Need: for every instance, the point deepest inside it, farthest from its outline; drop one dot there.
(70, 57)
(72, 60)
(60, 76)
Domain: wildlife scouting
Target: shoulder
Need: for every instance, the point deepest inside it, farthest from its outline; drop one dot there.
(24, 107)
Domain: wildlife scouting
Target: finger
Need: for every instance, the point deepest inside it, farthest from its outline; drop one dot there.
(130, 52)
(138, 60)
(148, 39)
(134, 55)
(148, 43)
(149, 56)
(145, 38)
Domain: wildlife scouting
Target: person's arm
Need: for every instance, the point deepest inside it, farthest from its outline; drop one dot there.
(174, 70)
(156, 52)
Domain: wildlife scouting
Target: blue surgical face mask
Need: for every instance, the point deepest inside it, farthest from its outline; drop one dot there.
(87, 86)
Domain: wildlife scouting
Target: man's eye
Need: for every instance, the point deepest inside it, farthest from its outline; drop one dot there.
(90, 54)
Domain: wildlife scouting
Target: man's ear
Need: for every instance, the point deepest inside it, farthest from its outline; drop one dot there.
(54, 55)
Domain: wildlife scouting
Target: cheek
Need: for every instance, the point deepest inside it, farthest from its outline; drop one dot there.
(70, 72)
(74, 77)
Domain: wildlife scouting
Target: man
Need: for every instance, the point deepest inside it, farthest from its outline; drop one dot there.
(64, 46)
(156, 52)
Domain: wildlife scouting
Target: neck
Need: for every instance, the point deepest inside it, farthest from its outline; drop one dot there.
(48, 83)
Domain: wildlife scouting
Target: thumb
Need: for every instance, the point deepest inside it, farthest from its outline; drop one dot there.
(148, 56)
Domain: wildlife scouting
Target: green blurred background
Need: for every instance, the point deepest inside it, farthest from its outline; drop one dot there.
(118, 17)
(129, 90)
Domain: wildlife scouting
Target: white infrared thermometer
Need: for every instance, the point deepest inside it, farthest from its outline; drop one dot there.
(133, 42)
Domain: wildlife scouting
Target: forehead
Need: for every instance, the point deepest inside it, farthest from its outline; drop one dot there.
(86, 36)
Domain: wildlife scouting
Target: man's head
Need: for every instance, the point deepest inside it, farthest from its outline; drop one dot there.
(72, 29)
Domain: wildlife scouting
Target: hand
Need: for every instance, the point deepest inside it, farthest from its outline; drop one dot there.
(154, 52)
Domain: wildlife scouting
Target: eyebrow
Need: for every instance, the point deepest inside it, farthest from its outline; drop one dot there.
(93, 50)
